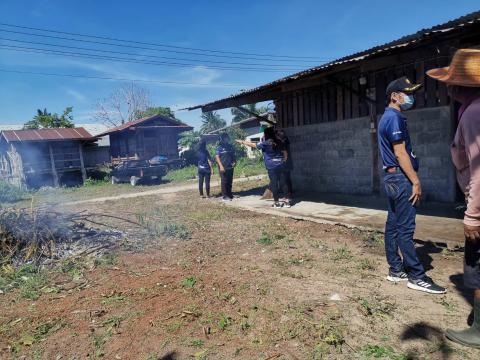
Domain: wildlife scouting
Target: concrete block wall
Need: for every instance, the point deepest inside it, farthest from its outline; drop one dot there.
(332, 156)
(431, 133)
(336, 156)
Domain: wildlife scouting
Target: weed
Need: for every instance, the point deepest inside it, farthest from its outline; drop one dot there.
(113, 322)
(73, 268)
(174, 327)
(109, 259)
(373, 238)
(367, 264)
(383, 352)
(113, 299)
(265, 239)
(28, 278)
(89, 182)
(342, 253)
(447, 305)
(299, 259)
(159, 223)
(292, 274)
(189, 282)
(224, 322)
(378, 306)
(197, 343)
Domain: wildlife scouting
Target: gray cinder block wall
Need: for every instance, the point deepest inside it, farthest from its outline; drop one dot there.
(336, 157)
(332, 156)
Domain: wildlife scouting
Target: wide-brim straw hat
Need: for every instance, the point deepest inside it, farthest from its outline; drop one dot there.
(464, 70)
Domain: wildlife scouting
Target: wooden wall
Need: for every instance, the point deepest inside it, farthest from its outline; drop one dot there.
(342, 97)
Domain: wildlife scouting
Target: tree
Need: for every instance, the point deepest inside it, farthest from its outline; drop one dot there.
(211, 121)
(239, 115)
(44, 119)
(189, 139)
(127, 103)
(157, 110)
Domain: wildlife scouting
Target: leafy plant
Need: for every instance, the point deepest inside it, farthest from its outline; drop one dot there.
(189, 282)
(382, 352)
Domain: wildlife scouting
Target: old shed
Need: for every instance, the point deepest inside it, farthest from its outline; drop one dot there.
(145, 138)
(330, 112)
(44, 157)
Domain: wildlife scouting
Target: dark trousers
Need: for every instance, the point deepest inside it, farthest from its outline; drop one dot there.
(288, 182)
(226, 179)
(276, 181)
(204, 176)
(471, 266)
(400, 227)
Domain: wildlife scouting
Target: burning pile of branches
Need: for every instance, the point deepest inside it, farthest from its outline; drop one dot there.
(39, 234)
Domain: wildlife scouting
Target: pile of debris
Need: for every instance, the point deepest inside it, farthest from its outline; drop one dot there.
(43, 235)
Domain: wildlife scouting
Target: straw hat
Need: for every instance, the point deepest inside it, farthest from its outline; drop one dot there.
(464, 70)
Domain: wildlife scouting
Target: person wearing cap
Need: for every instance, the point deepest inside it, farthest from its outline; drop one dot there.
(226, 160)
(403, 189)
(463, 82)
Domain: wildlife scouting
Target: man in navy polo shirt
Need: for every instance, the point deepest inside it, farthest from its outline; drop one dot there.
(403, 189)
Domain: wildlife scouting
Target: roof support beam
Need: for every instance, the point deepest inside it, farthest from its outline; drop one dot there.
(259, 117)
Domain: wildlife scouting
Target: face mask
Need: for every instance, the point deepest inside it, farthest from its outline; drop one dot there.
(408, 101)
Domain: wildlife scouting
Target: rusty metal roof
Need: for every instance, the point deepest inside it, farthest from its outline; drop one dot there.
(56, 134)
(461, 22)
(175, 122)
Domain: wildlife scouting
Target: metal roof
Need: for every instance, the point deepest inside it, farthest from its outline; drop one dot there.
(129, 124)
(461, 22)
(95, 129)
(55, 134)
(253, 119)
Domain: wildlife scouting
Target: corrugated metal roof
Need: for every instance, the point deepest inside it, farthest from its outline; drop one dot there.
(461, 22)
(46, 134)
(96, 129)
(173, 121)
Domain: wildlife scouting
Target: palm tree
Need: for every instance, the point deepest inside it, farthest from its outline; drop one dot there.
(211, 121)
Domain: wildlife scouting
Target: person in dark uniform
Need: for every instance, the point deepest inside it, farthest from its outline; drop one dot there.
(288, 165)
(205, 168)
(403, 189)
(226, 160)
(275, 157)
(463, 82)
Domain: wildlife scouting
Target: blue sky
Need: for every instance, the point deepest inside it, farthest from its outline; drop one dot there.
(324, 30)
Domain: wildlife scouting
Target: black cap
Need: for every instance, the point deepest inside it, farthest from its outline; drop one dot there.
(402, 85)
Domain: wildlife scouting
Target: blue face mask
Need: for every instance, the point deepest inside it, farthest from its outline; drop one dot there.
(408, 101)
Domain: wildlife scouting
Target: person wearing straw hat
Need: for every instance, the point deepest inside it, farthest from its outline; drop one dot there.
(463, 82)
(403, 189)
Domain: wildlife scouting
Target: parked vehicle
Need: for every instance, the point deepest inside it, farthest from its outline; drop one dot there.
(135, 171)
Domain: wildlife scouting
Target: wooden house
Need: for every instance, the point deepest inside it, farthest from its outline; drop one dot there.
(44, 157)
(145, 138)
(331, 112)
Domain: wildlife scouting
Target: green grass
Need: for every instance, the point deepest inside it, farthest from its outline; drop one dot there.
(382, 352)
(183, 174)
(189, 282)
(10, 193)
(28, 278)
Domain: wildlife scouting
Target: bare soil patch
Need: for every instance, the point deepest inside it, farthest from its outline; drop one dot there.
(201, 280)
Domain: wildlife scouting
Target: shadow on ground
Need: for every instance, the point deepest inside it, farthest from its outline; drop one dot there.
(424, 331)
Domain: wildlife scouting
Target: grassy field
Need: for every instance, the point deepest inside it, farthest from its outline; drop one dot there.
(101, 188)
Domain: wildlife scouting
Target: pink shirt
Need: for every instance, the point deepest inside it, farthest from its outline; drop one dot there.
(466, 158)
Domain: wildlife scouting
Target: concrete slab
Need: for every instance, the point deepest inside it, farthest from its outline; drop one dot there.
(441, 229)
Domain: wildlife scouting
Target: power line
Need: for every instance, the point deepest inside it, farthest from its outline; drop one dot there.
(130, 60)
(161, 45)
(142, 55)
(121, 79)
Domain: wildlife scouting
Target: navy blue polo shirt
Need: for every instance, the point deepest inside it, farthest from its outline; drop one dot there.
(393, 128)
(226, 152)
(272, 155)
(203, 157)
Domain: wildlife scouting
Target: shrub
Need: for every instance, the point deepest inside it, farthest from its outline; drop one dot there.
(10, 193)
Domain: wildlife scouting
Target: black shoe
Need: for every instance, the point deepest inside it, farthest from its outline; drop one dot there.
(277, 205)
(426, 284)
(226, 198)
(397, 276)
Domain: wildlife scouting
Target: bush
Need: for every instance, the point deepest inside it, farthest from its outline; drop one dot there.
(10, 193)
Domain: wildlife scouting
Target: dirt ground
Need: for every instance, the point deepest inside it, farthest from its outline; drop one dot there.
(197, 279)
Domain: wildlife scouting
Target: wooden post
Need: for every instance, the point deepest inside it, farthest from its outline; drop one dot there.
(54, 169)
(82, 164)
